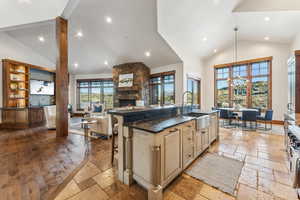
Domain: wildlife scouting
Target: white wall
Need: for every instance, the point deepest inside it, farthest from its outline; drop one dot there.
(12, 49)
(295, 44)
(178, 78)
(193, 67)
(251, 50)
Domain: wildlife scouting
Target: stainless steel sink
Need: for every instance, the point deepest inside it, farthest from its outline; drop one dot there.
(195, 114)
(202, 120)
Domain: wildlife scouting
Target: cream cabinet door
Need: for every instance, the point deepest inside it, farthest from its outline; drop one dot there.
(198, 140)
(205, 138)
(187, 145)
(172, 153)
(213, 128)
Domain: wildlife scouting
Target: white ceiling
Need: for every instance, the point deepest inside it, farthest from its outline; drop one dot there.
(183, 24)
(267, 5)
(18, 12)
(186, 23)
(133, 31)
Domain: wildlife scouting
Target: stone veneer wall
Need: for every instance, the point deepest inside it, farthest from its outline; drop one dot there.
(140, 88)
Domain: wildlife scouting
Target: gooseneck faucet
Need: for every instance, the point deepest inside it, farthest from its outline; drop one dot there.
(186, 92)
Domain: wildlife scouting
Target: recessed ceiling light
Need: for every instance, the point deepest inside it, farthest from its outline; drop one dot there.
(267, 38)
(267, 19)
(204, 39)
(25, 1)
(105, 62)
(41, 39)
(76, 65)
(215, 50)
(108, 20)
(79, 34)
(147, 53)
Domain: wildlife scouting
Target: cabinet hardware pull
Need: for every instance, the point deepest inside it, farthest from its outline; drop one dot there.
(190, 126)
(190, 155)
(190, 139)
(203, 132)
(172, 131)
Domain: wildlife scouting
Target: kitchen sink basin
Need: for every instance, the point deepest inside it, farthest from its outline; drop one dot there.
(194, 114)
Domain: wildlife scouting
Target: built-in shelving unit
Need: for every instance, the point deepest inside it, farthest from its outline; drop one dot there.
(16, 78)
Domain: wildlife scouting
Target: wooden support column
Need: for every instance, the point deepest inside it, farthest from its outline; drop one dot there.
(62, 96)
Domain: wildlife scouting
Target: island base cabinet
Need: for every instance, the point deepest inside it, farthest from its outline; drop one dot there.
(198, 140)
(187, 145)
(205, 138)
(171, 149)
(213, 129)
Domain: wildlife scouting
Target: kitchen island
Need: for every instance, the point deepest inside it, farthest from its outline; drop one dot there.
(156, 144)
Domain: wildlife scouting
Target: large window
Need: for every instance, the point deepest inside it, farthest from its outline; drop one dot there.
(162, 88)
(92, 91)
(247, 84)
(193, 86)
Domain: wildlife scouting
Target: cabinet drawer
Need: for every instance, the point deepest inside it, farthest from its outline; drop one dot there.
(188, 155)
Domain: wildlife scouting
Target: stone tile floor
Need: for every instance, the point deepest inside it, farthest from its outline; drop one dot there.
(264, 175)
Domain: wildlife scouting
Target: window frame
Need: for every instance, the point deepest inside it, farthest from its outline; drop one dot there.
(162, 92)
(199, 90)
(89, 87)
(250, 77)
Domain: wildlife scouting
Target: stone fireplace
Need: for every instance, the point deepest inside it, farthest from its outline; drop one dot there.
(125, 96)
(127, 102)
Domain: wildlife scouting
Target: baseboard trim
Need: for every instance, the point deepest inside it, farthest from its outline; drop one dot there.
(279, 122)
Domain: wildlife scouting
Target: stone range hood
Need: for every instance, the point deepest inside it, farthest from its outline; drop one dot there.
(140, 87)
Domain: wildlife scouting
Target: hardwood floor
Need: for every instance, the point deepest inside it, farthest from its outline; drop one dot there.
(34, 163)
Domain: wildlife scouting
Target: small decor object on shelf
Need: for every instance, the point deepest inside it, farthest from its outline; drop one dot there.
(125, 80)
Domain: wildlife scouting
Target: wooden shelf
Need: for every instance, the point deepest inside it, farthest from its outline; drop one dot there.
(12, 72)
(133, 88)
(18, 90)
(12, 98)
(17, 81)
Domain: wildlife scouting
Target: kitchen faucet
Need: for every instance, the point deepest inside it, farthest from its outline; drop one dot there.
(186, 92)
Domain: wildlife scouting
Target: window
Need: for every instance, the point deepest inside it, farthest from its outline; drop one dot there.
(92, 91)
(162, 88)
(193, 86)
(247, 84)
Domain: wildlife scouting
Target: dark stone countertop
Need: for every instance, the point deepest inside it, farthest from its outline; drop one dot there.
(135, 110)
(204, 112)
(156, 126)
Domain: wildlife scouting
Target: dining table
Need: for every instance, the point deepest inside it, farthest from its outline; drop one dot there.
(240, 110)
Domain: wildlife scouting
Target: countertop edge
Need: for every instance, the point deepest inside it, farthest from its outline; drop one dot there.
(155, 132)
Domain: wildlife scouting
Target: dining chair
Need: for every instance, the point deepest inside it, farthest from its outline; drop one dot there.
(268, 118)
(258, 111)
(249, 116)
(226, 115)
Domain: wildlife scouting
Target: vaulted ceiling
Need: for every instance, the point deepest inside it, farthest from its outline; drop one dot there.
(167, 29)
(201, 27)
(131, 33)
(19, 12)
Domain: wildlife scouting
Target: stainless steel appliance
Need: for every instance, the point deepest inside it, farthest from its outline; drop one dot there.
(293, 149)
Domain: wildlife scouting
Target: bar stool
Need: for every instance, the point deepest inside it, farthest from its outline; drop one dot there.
(114, 128)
